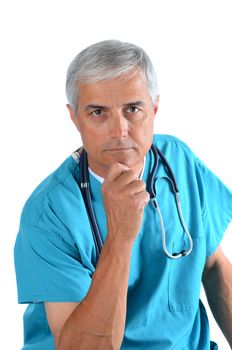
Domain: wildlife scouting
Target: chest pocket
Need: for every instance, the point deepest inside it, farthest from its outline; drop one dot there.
(185, 274)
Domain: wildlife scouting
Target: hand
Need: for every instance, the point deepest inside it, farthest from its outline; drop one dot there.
(124, 198)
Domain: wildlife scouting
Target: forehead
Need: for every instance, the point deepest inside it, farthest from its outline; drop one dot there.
(120, 89)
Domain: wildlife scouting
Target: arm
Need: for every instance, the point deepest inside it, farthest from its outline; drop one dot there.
(217, 281)
(98, 321)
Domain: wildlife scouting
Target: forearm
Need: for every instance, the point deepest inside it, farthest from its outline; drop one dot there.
(218, 288)
(99, 320)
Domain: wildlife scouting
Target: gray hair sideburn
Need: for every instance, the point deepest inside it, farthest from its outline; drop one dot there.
(107, 60)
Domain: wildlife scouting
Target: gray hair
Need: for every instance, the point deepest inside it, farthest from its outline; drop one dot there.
(107, 60)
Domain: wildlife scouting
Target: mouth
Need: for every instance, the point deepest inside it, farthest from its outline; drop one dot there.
(119, 149)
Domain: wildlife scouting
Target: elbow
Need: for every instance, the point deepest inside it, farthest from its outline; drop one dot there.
(84, 341)
(65, 340)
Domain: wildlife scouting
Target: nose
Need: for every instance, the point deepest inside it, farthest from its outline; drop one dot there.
(118, 126)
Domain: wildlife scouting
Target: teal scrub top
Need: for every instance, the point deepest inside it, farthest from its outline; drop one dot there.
(55, 255)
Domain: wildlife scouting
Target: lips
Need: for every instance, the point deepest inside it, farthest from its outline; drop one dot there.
(119, 149)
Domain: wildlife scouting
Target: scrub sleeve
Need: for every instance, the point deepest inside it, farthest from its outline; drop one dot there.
(217, 208)
(48, 268)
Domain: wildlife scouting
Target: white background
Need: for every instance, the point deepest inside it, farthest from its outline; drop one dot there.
(190, 45)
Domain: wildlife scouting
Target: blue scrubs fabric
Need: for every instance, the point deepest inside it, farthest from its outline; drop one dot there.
(55, 256)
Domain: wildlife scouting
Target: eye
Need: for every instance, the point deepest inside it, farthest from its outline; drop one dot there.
(132, 109)
(97, 113)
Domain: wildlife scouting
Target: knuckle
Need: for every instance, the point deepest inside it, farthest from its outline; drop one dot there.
(143, 185)
(138, 183)
(143, 198)
(107, 191)
(110, 192)
(147, 196)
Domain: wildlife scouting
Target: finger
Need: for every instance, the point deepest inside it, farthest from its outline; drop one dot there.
(143, 198)
(126, 178)
(136, 186)
(115, 170)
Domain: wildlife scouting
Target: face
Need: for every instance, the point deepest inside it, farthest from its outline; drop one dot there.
(115, 119)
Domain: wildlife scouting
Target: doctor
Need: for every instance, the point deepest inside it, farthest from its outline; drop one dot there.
(133, 296)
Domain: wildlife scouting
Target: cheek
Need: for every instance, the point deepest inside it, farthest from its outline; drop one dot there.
(146, 130)
(92, 139)
(145, 135)
(150, 127)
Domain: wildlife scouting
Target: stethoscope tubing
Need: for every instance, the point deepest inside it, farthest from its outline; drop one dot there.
(84, 178)
(85, 189)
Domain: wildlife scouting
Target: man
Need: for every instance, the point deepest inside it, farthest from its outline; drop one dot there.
(134, 296)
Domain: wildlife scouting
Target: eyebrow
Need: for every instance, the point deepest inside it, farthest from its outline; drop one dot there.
(134, 103)
(91, 106)
(95, 106)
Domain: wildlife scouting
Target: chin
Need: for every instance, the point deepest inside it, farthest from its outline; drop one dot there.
(129, 161)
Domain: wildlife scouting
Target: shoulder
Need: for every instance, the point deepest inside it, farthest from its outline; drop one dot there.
(169, 143)
(168, 139)
(51, 190)
(181, 159)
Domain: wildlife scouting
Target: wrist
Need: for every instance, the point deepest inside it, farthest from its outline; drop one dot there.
(118, 241)
(119, 246)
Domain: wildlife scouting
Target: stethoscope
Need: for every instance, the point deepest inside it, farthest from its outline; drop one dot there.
(85, 189)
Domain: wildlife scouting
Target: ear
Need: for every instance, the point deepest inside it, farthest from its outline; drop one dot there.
(73, 116)
(156, 106)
